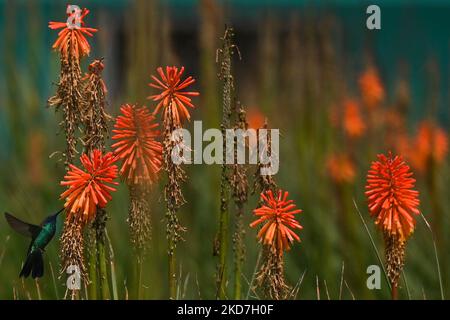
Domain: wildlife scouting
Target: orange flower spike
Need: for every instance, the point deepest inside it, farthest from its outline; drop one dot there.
(341, 168)
(140, 153)
(431, 142)
(391, 198)
(354, 125)
(73, 35)
(172, 99)
(89, 188)
(277, 217)
(372, 89)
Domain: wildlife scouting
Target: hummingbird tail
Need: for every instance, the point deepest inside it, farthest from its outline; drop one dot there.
(34, 265)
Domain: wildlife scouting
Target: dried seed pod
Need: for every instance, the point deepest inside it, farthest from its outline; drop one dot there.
(395, 257)
(72, 244)
(139, 219)
(271, 274)
(69, 98)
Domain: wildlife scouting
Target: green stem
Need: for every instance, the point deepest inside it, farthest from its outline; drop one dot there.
(238, 253)
(172, 270)
(227, 93)
(93, 272)
(394, 292)
(237, 279)
(139, 276)
(103, 273)
(115, 295)
(223, 237)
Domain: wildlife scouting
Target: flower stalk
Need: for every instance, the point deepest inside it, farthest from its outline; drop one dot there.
(239, 187)
(72, 46)
(393, 203)
(276, 214)
(135, 133)
(221, 242)
(95, 132)
(173, 103)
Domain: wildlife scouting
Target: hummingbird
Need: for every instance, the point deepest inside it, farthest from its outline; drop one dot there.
(40, 236)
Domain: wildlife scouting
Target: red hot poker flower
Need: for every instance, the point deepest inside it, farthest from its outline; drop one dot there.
(73, 35)
(140, 153)
(341, 168)
(431, 143)
(89, 188)
(392, 200)
(353, 123)
(277, 216)
(172, 99)
(371, 87)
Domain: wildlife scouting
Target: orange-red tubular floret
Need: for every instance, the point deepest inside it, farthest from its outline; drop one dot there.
(89, 187)
(172, 99)
(277, 216)
(141, 155)
(391, 198)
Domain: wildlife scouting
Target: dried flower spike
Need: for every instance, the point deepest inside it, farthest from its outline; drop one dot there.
(392, 201)
(71, 39)
(141, 155)
(172, 99)
(277, 216)
(89, 188)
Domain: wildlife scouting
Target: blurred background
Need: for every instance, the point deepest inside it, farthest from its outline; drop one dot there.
(339, 93)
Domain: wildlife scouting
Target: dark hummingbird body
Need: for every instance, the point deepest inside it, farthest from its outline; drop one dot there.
(40, 236)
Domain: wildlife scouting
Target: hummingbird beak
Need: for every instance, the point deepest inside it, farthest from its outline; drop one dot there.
(56, 214)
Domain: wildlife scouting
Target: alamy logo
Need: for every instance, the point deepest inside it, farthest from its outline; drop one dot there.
(74, 279)
(374, 20)
(248, 146)
(74, 16)
(374, 280)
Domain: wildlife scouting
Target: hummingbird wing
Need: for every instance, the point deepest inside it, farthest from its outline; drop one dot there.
(24, 228)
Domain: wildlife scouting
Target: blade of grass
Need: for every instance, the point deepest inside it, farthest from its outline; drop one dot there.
(406, 285)
(54, 281)
(373, 244)
(435, 255)
(296, 289)
(342, 281)
(178, 292)
(326, 289)
(2, 255)
(349, 290)
(186, 281)
(25, 290)
(15, 297)
(250, 286)
(317, 288)
(86, 291)
(112, 267)
(198, 287)
(252, 289)
(126, 289)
